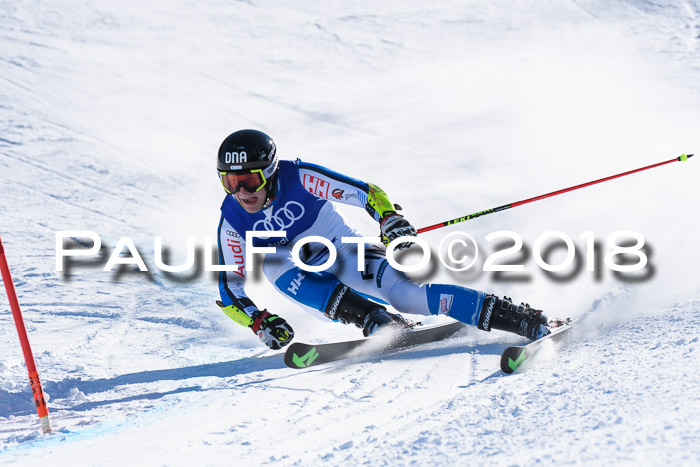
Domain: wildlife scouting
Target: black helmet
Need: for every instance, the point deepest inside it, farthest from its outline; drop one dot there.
(248, 158)
(246, 150)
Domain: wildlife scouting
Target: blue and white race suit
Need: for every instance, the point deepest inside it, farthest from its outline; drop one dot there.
(301, 208)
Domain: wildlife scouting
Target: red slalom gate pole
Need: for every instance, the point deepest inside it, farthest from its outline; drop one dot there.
(681, 158)
(37, 392)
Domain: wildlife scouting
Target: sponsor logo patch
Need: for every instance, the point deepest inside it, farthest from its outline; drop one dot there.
(446, 303)
(486, 324)
(282, 219)
(235, 157)
(333, 310)
(238, 258)
(296, 283)
(316, 185)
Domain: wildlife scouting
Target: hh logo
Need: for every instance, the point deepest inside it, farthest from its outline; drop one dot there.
(296, 282)
(316, 186)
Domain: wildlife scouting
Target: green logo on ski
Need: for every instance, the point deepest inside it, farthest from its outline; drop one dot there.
(515, 364)
(305, 360)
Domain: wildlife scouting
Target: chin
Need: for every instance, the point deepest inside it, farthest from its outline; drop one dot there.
(252, 210)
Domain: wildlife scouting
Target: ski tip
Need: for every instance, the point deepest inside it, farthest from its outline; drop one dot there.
(512, 358)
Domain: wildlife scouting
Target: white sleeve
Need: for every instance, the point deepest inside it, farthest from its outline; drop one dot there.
(332, 186)
(232, 283)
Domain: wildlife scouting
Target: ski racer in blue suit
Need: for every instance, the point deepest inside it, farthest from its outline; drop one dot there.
(265, 194)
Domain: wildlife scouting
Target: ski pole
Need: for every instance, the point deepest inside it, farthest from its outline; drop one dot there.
(683, 157)
(37, 392)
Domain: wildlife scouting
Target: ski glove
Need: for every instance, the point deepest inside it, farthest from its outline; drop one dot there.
(274, 331)
(393, 226)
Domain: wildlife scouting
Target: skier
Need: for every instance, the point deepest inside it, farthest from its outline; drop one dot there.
(266, 194)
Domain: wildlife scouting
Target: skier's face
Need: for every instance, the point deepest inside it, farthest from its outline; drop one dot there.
(251, 202)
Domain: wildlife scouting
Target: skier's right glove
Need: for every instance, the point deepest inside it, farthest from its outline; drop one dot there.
(393, 226)
(274, 331)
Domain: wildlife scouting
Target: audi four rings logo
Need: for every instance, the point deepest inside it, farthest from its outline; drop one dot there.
(283, 218)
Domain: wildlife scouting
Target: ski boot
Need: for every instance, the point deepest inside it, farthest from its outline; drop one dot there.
(349, 307)
(378, 318)
(503, 314)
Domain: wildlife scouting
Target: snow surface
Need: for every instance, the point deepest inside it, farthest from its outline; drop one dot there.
(110, 116)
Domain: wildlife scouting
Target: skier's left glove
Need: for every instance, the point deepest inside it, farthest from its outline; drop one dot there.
(393, 226)
(272, 330)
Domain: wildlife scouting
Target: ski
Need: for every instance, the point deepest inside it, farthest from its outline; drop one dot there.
(301, 355)
(514, 357)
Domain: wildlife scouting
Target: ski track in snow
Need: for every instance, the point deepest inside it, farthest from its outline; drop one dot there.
(390, 410)
(109, 119)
